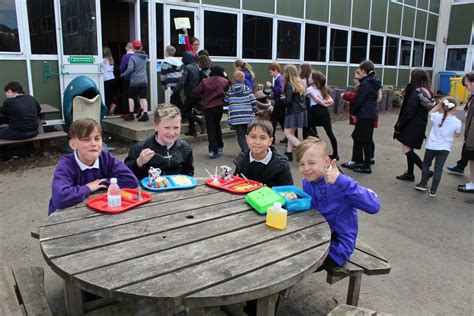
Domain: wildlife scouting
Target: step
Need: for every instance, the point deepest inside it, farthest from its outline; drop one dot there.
(137, 131)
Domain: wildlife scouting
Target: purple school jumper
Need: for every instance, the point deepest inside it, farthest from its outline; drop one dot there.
(338, 203)
(69, 182)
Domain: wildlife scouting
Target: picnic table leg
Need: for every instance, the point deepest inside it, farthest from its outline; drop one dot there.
(354, 290)
(266, 305)
(73, 298)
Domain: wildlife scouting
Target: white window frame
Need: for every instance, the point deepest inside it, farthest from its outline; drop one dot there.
(291, 20)
(367, 45)
(348, 47)
(326, 25)
(467, 63)
(240, 39)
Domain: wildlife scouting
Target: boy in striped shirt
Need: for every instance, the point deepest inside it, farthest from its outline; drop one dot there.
(171, 72)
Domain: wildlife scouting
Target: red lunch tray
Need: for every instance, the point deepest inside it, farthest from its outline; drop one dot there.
(99, 202)
(235, 185)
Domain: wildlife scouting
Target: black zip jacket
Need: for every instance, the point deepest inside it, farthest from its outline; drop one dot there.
(176, 160)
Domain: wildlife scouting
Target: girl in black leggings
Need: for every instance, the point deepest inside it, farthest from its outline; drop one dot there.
(318, 114)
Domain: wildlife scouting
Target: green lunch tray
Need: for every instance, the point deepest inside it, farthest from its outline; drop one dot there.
(263, 198)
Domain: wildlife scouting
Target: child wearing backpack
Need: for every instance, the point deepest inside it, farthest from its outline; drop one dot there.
(446, 126)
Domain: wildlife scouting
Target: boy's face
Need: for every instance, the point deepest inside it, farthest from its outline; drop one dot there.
(195, 46)
(88, 149)
(168, 130)
(313, 164)
(469, 85)
(273, 73)
(258, 141)
(9, 94)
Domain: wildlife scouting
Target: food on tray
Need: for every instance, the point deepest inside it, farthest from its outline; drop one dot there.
(159, 183)
(289, 195)
(244, 187)
(182, 180)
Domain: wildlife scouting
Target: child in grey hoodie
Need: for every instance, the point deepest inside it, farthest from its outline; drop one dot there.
(171, 72)
(136, 69)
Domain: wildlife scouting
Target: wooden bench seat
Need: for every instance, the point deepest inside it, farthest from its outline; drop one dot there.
(39, 137)
(364, 260)
(22, 291)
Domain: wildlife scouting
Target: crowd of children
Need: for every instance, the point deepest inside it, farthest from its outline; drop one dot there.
(294, 99)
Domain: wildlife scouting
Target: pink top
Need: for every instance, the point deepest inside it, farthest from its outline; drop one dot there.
(188, 46)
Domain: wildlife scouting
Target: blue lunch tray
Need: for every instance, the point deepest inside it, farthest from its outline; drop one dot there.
(173, 185)
(303, 203)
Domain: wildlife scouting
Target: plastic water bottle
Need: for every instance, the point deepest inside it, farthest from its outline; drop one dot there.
(277, 216)
(114, 195)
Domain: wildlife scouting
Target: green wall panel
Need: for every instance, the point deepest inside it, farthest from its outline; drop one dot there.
(403, 77)
(394, 18)
(267, 6)
(423, 4)
(341, 12)
(460, 24)
(13, 70)
(337, 76)
(223, 3)
(321, 68)
(47, 92)
(432, 27)
(317, 10)
(294, 8)
(420, 29)
(379, 16)
(408, 21)
(411, 2)
(434, 5)
(360, 14)
(389, 77)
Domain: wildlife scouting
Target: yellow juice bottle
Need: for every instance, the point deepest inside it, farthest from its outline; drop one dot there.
(277, 216)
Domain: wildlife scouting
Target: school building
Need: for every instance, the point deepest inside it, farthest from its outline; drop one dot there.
(44, 44)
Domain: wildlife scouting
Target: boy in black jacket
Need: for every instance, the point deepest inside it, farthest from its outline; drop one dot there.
(262, 162)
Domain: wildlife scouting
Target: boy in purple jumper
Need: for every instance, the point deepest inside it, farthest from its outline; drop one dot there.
(86, 170)
(336, 196)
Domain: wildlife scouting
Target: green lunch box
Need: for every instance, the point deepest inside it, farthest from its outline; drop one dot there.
(263, 198)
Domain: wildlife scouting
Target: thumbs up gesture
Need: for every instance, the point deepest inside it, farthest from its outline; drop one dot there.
(332, 173)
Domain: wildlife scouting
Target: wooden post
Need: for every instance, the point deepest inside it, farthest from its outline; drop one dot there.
(266, 305)
(354, 290)
(73, 298)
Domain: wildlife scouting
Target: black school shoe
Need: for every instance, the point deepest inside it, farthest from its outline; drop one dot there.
(462, 188)
(362, 169)
(406, 177)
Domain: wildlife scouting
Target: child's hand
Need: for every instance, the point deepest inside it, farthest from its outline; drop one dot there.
(332, 173)
(268, 84)
(96, 185)
(145, 156)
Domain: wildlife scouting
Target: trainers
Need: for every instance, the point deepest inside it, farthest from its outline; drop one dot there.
(372, 161)
(129, 117)
(421, 187)
(362, 169)
(213, 154)
(348, 165)
(112, 109)
(432, 192)
(406, 177)
(454, 169)
(466, 188)
(143, 117)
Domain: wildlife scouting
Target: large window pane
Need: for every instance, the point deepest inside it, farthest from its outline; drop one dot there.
(42, 27)
(417, 59)
(257, 33)
(358, 47)
(338, 48)
(78, 20)
(9, 41)
(456, 59)
(391, 50)
(220, 33)
(288, 40)
(315, 42)
(144, 26)
(429, 55)
(160, 42)
(376, 49)
(174, 36)
(405, 51)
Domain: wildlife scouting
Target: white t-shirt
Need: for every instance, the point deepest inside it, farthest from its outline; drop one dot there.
(108, 70)
(315, 91)
(441, 138)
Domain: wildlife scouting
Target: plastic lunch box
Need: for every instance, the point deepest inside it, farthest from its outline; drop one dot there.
(263, 198)
(303, 202)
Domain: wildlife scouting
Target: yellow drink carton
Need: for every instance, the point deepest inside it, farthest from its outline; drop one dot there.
(277, 216)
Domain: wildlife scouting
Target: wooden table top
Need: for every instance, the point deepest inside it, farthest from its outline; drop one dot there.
(198, 247)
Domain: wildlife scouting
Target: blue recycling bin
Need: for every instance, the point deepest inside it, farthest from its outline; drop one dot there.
(445, 81)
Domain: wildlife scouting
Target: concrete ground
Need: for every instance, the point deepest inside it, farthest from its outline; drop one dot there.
(428, 241)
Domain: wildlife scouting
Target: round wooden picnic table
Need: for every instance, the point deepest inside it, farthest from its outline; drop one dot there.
(186, 249)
